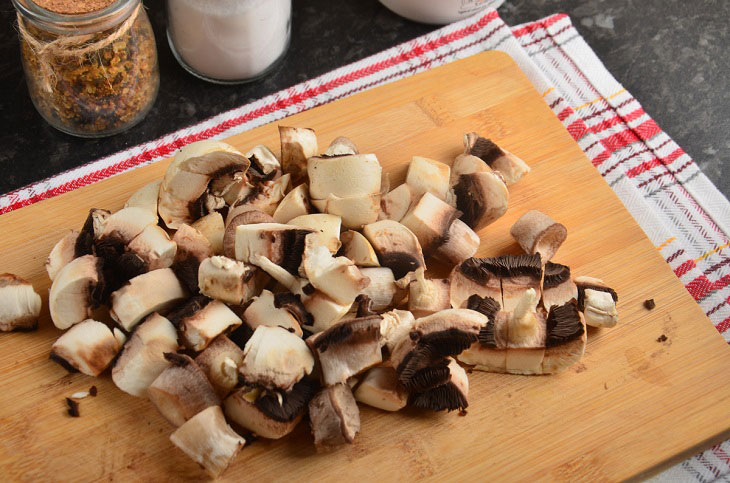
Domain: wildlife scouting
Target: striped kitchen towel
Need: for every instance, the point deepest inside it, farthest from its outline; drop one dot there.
(680, 210)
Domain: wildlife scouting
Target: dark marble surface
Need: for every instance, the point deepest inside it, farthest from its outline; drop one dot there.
(670, 54)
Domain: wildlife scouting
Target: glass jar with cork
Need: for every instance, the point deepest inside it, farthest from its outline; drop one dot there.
(90, 65)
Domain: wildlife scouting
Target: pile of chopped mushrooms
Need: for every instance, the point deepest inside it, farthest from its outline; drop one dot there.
(255, 304)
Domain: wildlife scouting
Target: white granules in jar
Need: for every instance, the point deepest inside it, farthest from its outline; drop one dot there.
(229, 40)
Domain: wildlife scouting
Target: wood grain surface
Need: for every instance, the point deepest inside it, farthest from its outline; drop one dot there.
(630, 407)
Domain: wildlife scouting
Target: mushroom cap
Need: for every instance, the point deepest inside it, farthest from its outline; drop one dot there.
(265, 195)
(88, 347)
(536, 232)
(20, 305)
(474, 277)
(566, 338)
(153, 291)
(557, 286)
(597, 302)
(275, 358)
(208, 440)
(146, 197)
(74, 291)
(509, 166)
(428, 176)
(358, 249)
(395, 204)
(142, 358)
(467, 164)
(62, 253)
(248, 216)
(263, 159)
(295, 203)
(325, 311)
(450, 395)
(397, 247)
(334, 417)
(481, 197)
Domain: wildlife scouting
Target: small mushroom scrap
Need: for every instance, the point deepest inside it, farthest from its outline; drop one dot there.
(20, 305)
(153, 248)
(334, 417)
(536, 232)
(208, 440)
(249, 216)
(509, 166)
(597, 302)
(143, 356)
(88, 347)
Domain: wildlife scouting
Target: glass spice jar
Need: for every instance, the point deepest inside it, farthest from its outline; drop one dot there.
(90, 65)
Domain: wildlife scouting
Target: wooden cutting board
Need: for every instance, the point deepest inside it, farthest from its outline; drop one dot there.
(633, 404)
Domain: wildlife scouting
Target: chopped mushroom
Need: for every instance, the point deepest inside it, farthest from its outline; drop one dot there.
(75, 292)
(202, 326)
(182, 390)
(88, 347)
(397, 247)
(395, 327)
(142, 358)
(154, 248)
(325, 311)
(241, 408)
(557, 286)
(275, 358)
(146, 197)
(295, 203)
(474, 276)
(395, 204)
(192, 249)
(231, 281)
(281, 244)
(341, 146)
(449, 394)
(428, 296)
(536, 232)
(565, 341)
(326, 226)
(127, 223)
(263, 160)
(597, 302)
(208, 440)
(382, 290)
(509, 166)
(297, 145)
(20, 305)
(188, 175)
(481, 197)
(220, 361)
(153, 291)
(430, 219)
(212, 228)
(354, 211)
(428, 176)
(338, 277)
(380, 389)
(347, 348)
(250, 216)
(264, 196)
(334, 417)
(63, 252)
(264, 310)
(91, 230)
(461, 242)
(358, 249)
(467, 164)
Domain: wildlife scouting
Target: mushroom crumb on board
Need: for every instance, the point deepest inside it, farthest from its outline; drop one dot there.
(649, 304)
(250, 292)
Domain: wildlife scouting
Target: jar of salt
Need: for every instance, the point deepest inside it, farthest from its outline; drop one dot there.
(228, 41)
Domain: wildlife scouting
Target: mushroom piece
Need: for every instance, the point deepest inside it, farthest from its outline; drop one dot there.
(297, 145)
(597, 302)
(334, 417)
(474, 276)
(263, 160)
(231, 281)
(326, 226)
(461, 242)
(337, 278)
(182, 390)
(434, 337)
(395, 327)
(536, 232)
(20, 305)
(192, 249)
(295, 203)
(397, 247)
(428, 296)
(481, 197)
(509, 166)
(380, 389)
(250, 216)
(395, 204)
(358, 249)
(212, 228)
(188, 175)
(354, 211)
(450, 395)
(62, 253)
(76, 291)
(126, 224)
(275, 359)
(267, 310)
(565, 339)
(341, 146)
(467, 164)
(154, 248)
(264, 195)
(430, 219)
(143, 357)
(325, 311)
(348, 176)
(347, 348)
(382, 290)
(92, 229)
(220, 361)
(153, 291)
(518, 274)
(281, 244)
(557, 286)
(199, 328)
(428, 176)
(88, 347)
(208, 440)
(145, 197)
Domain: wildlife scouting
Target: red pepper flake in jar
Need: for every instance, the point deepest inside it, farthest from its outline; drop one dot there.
(94, 75)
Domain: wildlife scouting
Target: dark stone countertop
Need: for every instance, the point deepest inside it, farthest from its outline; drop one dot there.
(670, 54)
